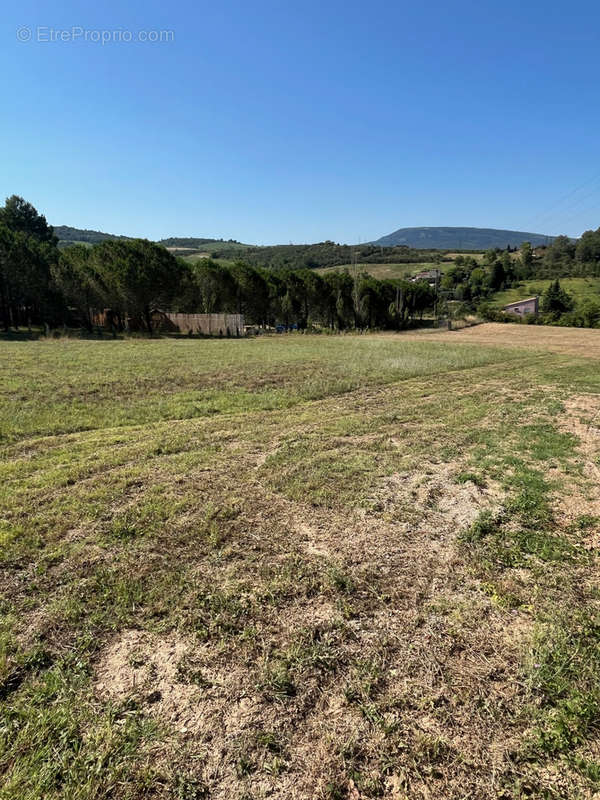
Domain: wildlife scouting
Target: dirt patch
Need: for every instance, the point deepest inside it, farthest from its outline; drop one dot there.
(147, 668)
(583, 421)
(435, 497)
(574, 341)
(582, 501)
(173, 680)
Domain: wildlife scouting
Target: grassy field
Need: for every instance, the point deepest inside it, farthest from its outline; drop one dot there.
(382, 271)
(301, 567)
(579, 288)
(200, 256)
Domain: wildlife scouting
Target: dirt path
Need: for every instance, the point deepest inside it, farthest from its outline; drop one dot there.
(581, 342)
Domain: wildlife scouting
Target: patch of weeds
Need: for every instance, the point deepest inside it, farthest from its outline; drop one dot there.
(564, 675)
(276, 681)
(531, 503)
(544, 442)
(269, 740)
(219, 613)
(125, 526)
(296, 577)
(340, 580)
(340, 476)
(213, 527)
(137, 659)
(244, 766)
(483, 526)
(588, 769)
(545, 546)
(189, 672)
(584, 522)
(471, 477)
(363, 684)
(54, 742)
(26, 664)
(500, 597)
(315, 649)
(336, 790)
(188, 787)
(431, 753)
(522, 530)
(275, 762)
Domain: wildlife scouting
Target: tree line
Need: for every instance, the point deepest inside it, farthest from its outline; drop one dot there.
(323, 254)
(567, 257)
(128, 279)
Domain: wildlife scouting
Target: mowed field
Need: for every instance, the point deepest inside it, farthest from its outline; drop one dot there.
(306, 567)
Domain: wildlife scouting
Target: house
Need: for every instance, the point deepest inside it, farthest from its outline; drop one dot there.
(432, 276)
(522, 307)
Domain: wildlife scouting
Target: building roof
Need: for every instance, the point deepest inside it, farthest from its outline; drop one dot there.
(518, 302)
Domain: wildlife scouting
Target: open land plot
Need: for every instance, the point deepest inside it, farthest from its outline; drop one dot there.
(301, 567)
(382, 271)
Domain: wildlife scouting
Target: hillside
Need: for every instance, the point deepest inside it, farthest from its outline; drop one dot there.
(579, 288)
(381, 272)
(68, 235)
(460, 238)
(197, 242)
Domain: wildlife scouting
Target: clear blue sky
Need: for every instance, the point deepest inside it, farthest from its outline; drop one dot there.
(301, 120)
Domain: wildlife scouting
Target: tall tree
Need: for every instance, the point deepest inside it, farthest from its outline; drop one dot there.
(555, 300)
(20, 216)
(76, 275)
(28, 250)
(140, 275)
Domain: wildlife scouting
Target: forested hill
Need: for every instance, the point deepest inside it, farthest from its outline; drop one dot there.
(67, 235)
(460, 238)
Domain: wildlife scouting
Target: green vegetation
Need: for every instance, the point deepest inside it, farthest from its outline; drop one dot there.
(382, 271)
(120, 283)
(107, 384)
(300, 566)
(579, 288)
(325, 254)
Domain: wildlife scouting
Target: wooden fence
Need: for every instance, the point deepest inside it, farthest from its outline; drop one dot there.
(206, 324)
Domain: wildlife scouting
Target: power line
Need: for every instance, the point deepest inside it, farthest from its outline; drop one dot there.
(549, 213)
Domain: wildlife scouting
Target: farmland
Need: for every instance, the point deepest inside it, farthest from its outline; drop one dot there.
(301, 566)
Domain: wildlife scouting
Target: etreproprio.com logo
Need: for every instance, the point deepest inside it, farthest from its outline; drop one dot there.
(77, 33)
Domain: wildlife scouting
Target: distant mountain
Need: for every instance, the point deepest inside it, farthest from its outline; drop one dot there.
(460, 238)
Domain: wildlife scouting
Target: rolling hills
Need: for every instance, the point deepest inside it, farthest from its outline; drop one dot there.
(416, 238)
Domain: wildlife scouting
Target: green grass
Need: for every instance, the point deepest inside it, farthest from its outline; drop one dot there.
(375, 555)
(579, 288)
(383, 271)
(49, 388)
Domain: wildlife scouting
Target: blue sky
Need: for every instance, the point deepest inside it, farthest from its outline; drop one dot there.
(302, 121)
